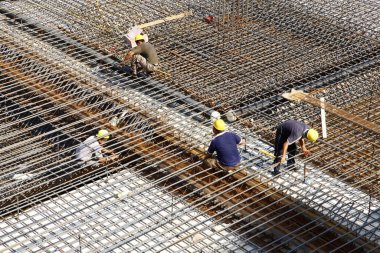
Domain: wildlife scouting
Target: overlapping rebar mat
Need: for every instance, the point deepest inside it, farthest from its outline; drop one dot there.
(62, 79)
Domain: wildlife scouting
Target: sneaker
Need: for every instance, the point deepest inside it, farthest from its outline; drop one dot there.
(274, 173)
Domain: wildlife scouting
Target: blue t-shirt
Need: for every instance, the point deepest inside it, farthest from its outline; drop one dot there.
(225, 145)
(292, 131)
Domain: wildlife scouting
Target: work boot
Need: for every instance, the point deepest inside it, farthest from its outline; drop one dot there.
(276, 170)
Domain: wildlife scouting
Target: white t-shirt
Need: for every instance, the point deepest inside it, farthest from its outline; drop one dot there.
(88, 148)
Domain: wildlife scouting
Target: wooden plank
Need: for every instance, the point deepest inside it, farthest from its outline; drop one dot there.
(299, 95)
(170, 18)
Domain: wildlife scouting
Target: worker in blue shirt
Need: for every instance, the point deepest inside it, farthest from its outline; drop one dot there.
(225, 145)
(287, 134)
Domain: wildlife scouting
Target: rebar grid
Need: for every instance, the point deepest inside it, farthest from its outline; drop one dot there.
(59, 85)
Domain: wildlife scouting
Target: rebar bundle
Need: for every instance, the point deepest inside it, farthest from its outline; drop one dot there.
(62, 78)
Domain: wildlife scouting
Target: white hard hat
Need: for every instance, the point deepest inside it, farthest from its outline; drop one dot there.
(214, 116)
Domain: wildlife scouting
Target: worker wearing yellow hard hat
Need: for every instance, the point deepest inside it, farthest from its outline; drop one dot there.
(219, 125)
(287, 134)
(224, 144)
(91, 151)
(103, 134)
(312, 135)
(144, 57)
(139, 37)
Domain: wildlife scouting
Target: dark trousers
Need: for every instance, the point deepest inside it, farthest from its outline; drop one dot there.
(292, 151)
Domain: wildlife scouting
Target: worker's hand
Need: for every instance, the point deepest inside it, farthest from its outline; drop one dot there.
(283, 160)
(128, 56)
(306, 153)
(113, 157)
(103, 160)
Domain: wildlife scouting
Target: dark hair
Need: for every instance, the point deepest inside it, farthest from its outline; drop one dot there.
(216, 130)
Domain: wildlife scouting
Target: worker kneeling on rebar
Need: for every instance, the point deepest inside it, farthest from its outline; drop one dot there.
(144, 57)
(91, 151)
(287, 134)
(225, 145)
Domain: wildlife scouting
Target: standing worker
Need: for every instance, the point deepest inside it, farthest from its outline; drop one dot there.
(287, 134)
(144, 56)
(90, 152)
(225, 144)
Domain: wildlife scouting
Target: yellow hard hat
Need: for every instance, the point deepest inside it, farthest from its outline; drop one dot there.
(312, 135)
(219, 125)
(139, 37)
(103, 134)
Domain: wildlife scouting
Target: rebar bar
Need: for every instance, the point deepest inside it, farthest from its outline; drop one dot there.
(62, 78)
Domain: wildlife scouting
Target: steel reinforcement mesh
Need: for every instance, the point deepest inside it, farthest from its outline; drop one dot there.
(62, 78)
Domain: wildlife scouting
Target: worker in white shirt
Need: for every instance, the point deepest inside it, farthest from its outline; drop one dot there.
(91, 152)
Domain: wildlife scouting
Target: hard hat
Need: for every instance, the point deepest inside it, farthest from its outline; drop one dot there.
(103, 134)
(312, 135)
(219, 125)
(231, 116)
(214, 116)
(139, 37)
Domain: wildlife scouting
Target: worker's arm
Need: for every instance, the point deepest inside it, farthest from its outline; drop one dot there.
(107, 151)
(207, 156)
(210, 150)
(110, 152)
(242, 142)
(306, 152)
(129, 55)
(103, 159)
(284, 150)
(108, 158)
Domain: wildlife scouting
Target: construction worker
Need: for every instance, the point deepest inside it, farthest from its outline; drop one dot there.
(90, 152)
(287, 134)
(225, 145)
(144, 57)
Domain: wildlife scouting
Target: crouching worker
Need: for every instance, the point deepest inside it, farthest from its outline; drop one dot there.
(225, 145)
(287, 134)
(144, 57)
(91, 152)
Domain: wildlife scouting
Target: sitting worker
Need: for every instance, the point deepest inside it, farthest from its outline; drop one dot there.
(91, 152)
(225, 145)
(144, 56)
(287, 134)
